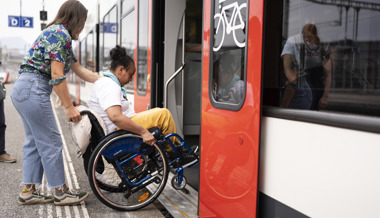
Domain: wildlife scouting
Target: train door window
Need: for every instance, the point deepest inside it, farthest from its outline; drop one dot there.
(330, 57)
(90, 52)
(109, 27)
(229, 54)
(128, 33)
(142, 53)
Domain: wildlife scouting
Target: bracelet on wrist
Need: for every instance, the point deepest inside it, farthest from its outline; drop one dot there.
(57, 81)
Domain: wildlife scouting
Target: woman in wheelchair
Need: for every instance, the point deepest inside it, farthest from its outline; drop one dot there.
(128, 168)
(108, 98)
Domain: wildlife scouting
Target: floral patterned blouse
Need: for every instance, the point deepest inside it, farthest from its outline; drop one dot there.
(54, 43)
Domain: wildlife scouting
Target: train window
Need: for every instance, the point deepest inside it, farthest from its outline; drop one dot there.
(142, 53)
(109, 27)
(128, 40)
(83, 57)
(229, 54)
(329, 60)
(90, 52)
(83, 52)
(71, 76)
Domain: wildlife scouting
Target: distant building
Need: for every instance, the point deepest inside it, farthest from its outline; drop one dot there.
(10, 60)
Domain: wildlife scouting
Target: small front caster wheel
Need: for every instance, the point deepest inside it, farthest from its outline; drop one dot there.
(177, 184)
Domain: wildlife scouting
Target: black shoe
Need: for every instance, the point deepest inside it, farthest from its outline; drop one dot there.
(188, 159)
(183, 149)
(173, 155)
(165, 145)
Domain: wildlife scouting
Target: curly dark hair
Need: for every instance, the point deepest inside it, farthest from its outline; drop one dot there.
(119, 57)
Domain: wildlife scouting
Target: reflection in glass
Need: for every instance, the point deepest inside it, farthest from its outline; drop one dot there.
(71, 76)
(90, 52)
(228, 87)
(349, 47)
(142, 59)
(82, 58)
(83, 52)
(307, 70)
(128, 38)
(109, 31)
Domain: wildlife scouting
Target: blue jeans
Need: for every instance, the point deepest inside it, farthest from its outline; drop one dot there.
(303, 97)
(43, 144)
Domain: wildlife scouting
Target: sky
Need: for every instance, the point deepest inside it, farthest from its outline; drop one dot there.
(19, 37)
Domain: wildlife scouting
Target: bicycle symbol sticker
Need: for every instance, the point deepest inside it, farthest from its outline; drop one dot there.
(226, 22)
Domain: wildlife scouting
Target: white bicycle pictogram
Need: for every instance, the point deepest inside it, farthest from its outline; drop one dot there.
(235, 23)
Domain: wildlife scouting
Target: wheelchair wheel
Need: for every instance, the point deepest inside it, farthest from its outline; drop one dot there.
(175, 182)
(126, 174)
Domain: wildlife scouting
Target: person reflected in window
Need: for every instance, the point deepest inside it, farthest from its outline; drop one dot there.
(229, 88)
(307, 69)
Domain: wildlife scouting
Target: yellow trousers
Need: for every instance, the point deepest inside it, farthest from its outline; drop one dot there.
(160, 117)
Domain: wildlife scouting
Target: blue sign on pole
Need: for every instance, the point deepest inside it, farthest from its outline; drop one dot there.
(20, 21)
(13, 21)
(27, 22)
(109, 27)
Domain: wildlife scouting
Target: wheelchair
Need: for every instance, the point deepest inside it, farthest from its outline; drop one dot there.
(126, 174)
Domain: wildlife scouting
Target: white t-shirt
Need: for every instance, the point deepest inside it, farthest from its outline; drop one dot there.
(312, 56)
(107, 93)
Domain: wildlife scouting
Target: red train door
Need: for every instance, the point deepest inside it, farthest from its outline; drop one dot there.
(230, 125)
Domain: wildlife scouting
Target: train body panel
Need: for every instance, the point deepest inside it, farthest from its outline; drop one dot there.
(317, 178)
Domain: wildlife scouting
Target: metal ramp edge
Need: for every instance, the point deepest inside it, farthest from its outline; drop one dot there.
(178, 203)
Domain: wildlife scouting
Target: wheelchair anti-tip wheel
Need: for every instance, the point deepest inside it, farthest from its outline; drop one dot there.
(179, 183)
(126, 174)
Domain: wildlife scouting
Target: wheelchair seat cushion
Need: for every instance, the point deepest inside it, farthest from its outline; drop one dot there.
(81, 131)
